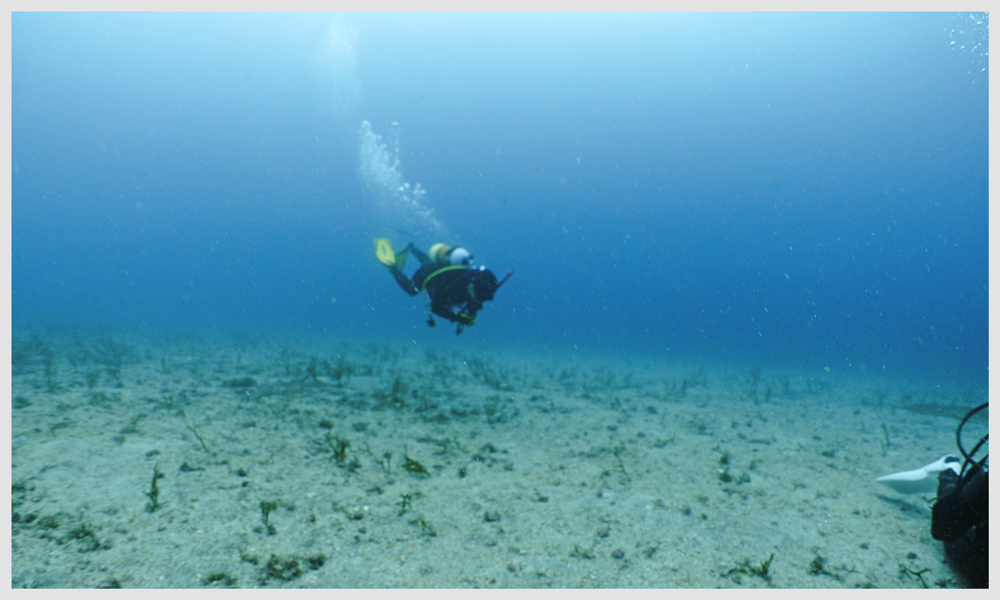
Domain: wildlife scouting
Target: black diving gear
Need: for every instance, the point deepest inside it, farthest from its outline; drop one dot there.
(456, 291)
(960, 516)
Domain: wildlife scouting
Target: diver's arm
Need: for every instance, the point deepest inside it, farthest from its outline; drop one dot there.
(467, 314)
(444, 311)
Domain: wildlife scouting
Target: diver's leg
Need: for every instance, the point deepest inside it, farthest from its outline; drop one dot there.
(405, 282)
(424, 259)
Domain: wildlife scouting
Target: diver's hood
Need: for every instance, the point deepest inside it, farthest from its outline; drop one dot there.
(485, 284)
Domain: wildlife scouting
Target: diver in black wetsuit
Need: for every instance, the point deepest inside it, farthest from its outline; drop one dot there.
(960, 516)
(457, 290)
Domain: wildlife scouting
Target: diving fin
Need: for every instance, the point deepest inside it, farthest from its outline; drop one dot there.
(384, 253)
(923, 480)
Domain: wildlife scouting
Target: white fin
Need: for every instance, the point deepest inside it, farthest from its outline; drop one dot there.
(923, 480)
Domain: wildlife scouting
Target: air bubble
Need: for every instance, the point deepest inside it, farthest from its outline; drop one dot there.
(398, 202)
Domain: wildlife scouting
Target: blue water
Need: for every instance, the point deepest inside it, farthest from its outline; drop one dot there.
(805, 189)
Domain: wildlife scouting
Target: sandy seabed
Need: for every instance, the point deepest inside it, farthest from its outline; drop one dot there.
(197, 462)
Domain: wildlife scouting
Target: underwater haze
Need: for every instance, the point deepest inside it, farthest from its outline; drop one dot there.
(781, 189)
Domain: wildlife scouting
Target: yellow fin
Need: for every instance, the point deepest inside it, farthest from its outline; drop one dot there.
(384, 253)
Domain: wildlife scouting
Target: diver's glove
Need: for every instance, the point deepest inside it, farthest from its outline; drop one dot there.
(466, 319)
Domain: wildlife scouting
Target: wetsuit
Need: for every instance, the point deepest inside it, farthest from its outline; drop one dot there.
(960, 518)
(456, 292)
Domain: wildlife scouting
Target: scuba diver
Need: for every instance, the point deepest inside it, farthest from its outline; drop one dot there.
(457, 290)
(960, 514)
